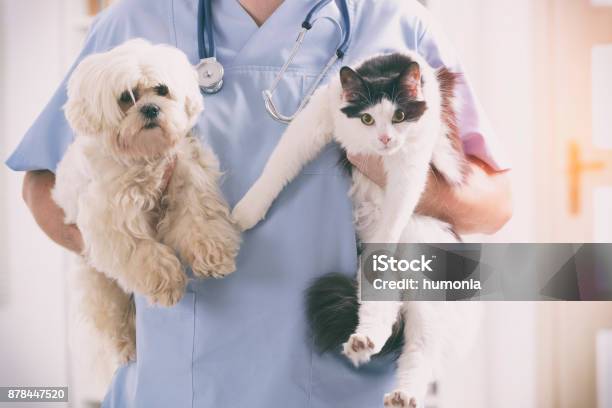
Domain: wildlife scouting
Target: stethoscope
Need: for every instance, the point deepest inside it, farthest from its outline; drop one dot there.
(210, 71)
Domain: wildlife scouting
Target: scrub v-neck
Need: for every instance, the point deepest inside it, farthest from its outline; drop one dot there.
(240, 41)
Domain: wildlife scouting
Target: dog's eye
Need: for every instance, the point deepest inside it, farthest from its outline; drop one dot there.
(125, 97)
(162, 90)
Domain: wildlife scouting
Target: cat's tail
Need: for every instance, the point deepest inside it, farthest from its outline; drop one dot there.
(332, 307)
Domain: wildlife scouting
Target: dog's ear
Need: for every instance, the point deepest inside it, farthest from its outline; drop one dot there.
(83, 95)
(80, 117)
(194, 104)
(182, 77)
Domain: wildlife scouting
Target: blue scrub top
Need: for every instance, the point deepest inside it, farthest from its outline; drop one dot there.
(243, 341)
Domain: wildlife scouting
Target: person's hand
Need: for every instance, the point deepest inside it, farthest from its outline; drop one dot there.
(37, 186)
(482, 204)
(73, 240)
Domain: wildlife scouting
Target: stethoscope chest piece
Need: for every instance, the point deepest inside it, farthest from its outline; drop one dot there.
(210, 75)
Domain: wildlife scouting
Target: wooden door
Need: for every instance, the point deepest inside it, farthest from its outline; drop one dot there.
(574, 88)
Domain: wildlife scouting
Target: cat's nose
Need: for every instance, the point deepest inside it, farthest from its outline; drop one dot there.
(385, 139)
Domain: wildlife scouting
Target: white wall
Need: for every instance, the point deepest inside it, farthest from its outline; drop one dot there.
(32, 313)
(4, 276)
(494, 40)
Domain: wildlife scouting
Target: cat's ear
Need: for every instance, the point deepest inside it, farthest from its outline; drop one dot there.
(352, 83)
(411, 80)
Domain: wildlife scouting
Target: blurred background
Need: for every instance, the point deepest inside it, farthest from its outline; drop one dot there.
(543, 71)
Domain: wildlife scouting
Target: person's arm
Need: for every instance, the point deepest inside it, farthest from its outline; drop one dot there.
(49, 216)
(483, 204)
(36, 192)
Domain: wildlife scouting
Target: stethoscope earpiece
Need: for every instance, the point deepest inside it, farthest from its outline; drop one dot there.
(210, 71)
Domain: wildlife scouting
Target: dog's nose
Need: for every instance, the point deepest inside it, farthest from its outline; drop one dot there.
(150, 111)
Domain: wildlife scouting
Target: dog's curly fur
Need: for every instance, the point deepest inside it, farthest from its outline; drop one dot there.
(132, 110)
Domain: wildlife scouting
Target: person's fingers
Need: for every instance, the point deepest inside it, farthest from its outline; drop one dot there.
(74, 238)
(371, 166)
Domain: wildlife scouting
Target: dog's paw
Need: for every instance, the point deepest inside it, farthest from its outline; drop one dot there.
(399, 399)
(214, 267)
(213, 256)
(223, 269)
(248, 212)
(126, 352)
(359, 349)
(168, 296)
(166, 282)
(155, 272)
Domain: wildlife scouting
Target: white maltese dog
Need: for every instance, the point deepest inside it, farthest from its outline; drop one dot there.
(132, 110)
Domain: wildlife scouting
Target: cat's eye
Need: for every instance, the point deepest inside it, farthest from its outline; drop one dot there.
(367, 119)
(161, 90)
(398, 116)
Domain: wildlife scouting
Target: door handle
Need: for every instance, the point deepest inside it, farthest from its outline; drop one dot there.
(576, 166)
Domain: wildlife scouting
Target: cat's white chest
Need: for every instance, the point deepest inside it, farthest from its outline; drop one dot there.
(367, 198)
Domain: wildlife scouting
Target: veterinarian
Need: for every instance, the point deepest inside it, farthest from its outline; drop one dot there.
(242, 341)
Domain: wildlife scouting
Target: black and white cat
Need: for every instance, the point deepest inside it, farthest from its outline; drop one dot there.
(395, 106)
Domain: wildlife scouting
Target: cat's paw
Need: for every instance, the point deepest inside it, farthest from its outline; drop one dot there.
(399, 399)
(247, 213)
(359, 349)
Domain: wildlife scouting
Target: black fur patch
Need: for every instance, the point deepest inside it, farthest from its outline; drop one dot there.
(332, 305)
(381, 78)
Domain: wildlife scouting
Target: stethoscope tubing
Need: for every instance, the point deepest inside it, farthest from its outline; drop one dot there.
(207, 53)
(206, 38)
(341, 48)
(344, 12)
